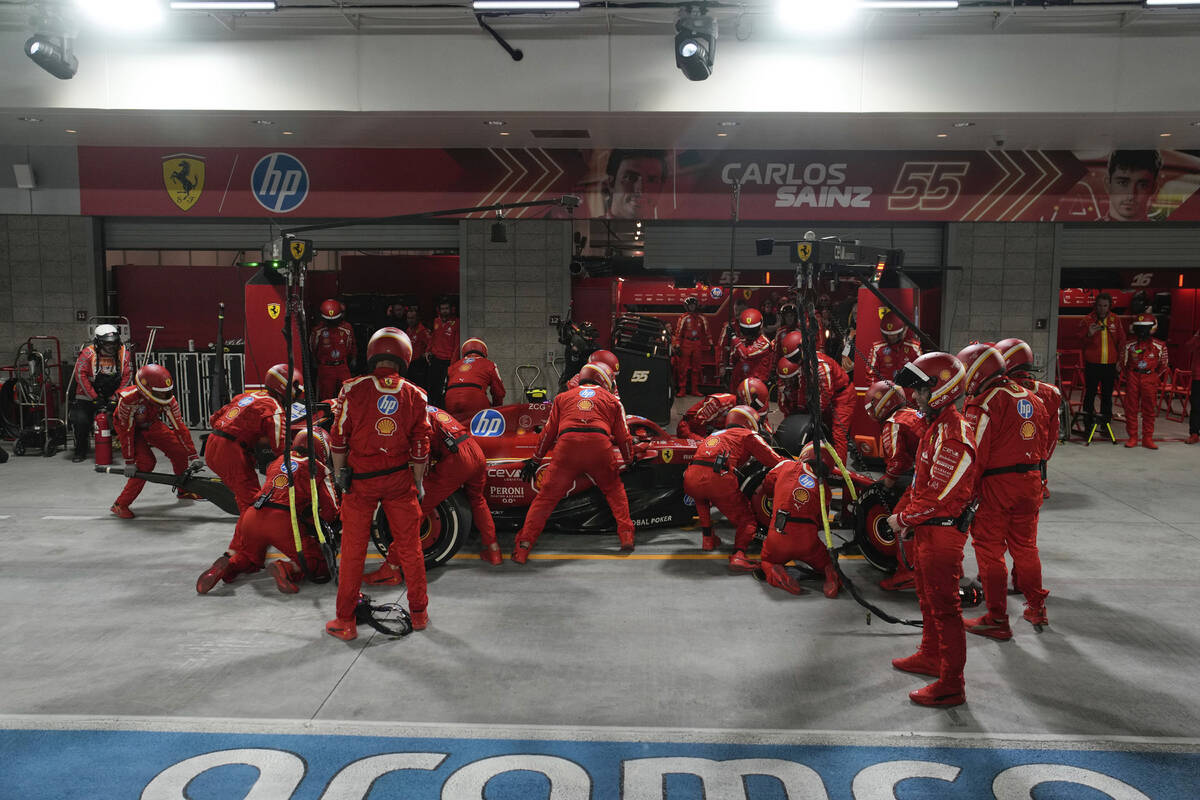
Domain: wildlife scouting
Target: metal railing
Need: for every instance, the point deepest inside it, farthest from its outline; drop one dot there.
(193, 381)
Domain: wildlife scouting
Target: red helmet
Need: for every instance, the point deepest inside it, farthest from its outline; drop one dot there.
(598, 373)
(750, 321)
(786, 369)
(890, 324)
(276, 382)
(808, 455)
(1018, 355)
(332, 310)
(883, 399)
(320, 443)
(473, 345)
(1142, 320)
(984, 365)
(940, 372)
(790, 347)
(390, 343)
(608, 358)
(753, 392)
(154, 382)
(742, 417)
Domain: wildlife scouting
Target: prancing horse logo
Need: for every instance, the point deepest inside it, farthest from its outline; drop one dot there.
(183, 177)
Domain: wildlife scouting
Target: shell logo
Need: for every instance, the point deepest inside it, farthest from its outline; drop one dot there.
(584, 405)
(280, 482)
(233, 412)
(1028, 430)
(465, 368)
(442, 416)
(800, 496)
(712, 442)
(385, 426)
(945, 374)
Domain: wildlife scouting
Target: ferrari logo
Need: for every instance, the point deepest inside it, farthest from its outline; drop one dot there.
(804, 251)
(296, 248)
(273, 310)
(884, 311)
(183, 177)
(667, 455)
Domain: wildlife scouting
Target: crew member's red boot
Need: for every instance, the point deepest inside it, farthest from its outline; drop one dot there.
(919, 663)
(286, 581)
(739, 563)
(209, 578)
(420, 620)
(832, 582)
(627, 543)
(991, 628)
(521, 552)
(387, 575)
(491, 554)
(344, 629)
(1132, 442)
(775, 575)
(903, 578)
(939, 693)
(1195, 437)
(1148, 443)
(121, 511)
(710, 541)
(1036, 615)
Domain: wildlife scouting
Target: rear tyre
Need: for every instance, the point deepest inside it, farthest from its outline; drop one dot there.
(872, 535)
(442, 532)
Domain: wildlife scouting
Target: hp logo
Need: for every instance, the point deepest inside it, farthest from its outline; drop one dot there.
(488, 422)
(1025, 409)
(279, 182)
(387, 404)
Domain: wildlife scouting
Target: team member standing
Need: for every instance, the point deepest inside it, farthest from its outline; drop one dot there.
(711, 480)
(380, 444)
(469, 381)
(1018, 359)
(794, 531)
(729, 337)
(418, 334)
(457, 460)
(1144, 362)
(443, 348)
(583, 426)
(1104, 341)
(788, 322)
(333, 349)
(897, 349)
(148, 415)
(691, 339)
(1010, 426)
(934, 510)
(836, 393)
(752, 353)
(103, 367)
(268, 522)
(900, 438)
(250, 419)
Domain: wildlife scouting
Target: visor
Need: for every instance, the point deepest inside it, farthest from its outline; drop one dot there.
(912, 377)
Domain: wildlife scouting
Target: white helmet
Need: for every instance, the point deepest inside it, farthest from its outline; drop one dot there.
(107, 334)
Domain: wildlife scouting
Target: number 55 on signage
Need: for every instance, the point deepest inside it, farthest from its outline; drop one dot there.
(639, 376)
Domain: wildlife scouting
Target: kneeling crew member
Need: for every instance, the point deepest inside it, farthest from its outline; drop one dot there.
(1018, 358)
(268, 522)
(936, 509)
(705, 416)
(837, 395)
(103, 367)
(148, 414)
(1010, 427)
(333, 348)
(584, 425)
(711, 480)
(380, 444)
(250, 419)
(468, 381)
(457, 460)
(1144, 362)
(795, 528)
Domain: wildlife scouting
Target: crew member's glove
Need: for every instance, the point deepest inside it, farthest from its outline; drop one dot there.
(342, 478)
(129, 469)
(421, 492)
(530, 469)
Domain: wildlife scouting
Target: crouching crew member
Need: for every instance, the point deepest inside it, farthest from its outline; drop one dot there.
(268, 522)
(705, 416)
(583, 426)
(690, 341)
(936, 509)
(837, 395)
(469, 380)
(900, 438)
(795, 528)
(752, 351)
(1010, 427)
(1018, 358)
(610, 360)
(250, 419)
(380, 444)
(457, 460)
(1144, 362)
(711, 480)
(333, 348)
(148, 415)
(103, 367)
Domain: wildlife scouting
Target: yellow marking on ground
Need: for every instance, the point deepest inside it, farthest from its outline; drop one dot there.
(588, 557)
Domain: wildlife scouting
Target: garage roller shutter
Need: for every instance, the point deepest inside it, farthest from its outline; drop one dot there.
(1129, 246)
(173, 234)
(676, 246)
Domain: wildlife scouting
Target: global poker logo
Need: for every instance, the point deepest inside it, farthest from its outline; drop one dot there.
(279, 182)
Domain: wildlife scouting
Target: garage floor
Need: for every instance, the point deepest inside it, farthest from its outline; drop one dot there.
(102, 619)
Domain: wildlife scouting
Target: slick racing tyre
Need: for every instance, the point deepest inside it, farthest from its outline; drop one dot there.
(442, 533)
(875, 540)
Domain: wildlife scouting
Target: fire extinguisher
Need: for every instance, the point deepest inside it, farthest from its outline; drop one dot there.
(103, 439)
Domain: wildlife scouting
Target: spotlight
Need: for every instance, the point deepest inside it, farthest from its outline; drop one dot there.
(499, 234)
(695, 44)
(52, 54)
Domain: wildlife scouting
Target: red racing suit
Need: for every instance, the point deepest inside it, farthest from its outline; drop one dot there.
(751, 360)
(583, 426)
(784, 330)
(900, 438)
(710, 479)
(837, 399)
(942, 487)
(443, 342)
(140, 423)
(382, 426)
(270, 523)
(467, 383)
(457, 460)
(1144, 364)
(98, 375)
(246, 421)
(690, 340)
(573, 383)
(705, 416)
(1051, 398)
(332, 348)
(420, 338)
(1010, 442)
(792, 486)
(886, 359)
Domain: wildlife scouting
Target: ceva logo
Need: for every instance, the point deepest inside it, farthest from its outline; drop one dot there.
(279, 182)
(488, 422)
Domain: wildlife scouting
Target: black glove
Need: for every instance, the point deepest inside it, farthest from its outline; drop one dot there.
(529, 470)
(342, 478)
(129, 469)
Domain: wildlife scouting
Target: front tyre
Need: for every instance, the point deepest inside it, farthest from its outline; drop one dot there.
(442, 532)
(873, 536)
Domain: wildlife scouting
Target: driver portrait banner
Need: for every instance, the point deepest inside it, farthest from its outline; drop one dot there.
(668, 184)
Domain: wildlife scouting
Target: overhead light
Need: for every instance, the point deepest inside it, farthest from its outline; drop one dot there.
(722, 133)
(525, 5)
(964, 124)
(122, 14)
(908, 4)
(499, 234)
(942, 135)
(217, 5)
(1164, 134)
(51, 54)
(695, 44)
(1160, 3)
(72, 130)
(1196, 124)
(807, 15)
(505, 133)
(286, 133)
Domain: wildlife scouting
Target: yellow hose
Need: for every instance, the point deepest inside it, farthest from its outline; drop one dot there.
(292, 506)
(824, 514)
(841, 468)
(316, 506)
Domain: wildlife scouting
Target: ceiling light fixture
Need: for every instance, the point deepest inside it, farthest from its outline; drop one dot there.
(505, 133)
(122, 14)
(218, 5)
(286, 133)
(942, 135)
(72, 130)
(1164, 134)
(695, 43)
(1168, 3)
(525, 5)
(722, 133)
(52, 54)
(499, 234)
(803, 16)
(908, 5)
